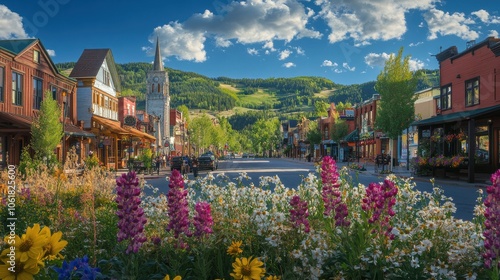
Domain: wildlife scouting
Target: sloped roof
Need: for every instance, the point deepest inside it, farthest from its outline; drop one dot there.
(90, 62)
(17, 45)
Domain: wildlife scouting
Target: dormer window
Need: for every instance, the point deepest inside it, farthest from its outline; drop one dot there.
(36, 56)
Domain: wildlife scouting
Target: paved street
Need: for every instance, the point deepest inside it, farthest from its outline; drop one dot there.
(292, 171)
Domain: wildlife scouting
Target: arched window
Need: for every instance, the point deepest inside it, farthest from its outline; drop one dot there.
(158, 87)
(153, 88)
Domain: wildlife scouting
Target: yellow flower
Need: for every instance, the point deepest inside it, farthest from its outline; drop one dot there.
(248, 269)
(235, 249)
(29, 245)
(22, 270)
(54, 245)
(271, 277)
(167, 277)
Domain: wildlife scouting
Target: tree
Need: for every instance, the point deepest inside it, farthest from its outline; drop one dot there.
(340, 129)
(320, 108)
(46, 129)
(313, 136)
(396, 85)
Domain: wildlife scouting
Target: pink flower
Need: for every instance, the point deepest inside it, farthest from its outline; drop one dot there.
(331, 192)
(299, 213)
(378, 203)
(203, 221)
(491, 232)
(178, 209)
(131, 218)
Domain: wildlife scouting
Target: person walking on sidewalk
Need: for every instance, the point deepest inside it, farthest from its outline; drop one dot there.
(158, 164)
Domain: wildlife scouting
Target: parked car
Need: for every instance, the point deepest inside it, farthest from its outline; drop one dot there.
(177, 163)
(207, 162)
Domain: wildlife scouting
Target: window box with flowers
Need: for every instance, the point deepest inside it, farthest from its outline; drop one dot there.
(439, 166)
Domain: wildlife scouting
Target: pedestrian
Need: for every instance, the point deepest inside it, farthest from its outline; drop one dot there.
(158, 162)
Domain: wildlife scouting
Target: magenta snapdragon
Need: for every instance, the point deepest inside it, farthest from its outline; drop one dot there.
(331, 192)
(131, 219)
(203, 221)
(491, 232)
(299, 213)
(178, 208)
(378, 204)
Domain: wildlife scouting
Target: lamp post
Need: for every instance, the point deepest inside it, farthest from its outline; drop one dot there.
(63, 124)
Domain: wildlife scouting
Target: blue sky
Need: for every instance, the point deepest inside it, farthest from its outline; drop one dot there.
(346, 41)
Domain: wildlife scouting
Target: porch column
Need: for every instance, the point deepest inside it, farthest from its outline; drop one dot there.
(472, 148)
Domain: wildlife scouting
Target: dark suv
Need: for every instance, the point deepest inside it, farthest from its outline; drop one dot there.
(176, 163)
(207, 161)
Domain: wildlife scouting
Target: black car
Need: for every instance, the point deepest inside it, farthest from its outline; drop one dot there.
(207, 161)
(176, 163)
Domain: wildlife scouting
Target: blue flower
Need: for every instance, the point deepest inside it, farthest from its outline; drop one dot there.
(78, 268)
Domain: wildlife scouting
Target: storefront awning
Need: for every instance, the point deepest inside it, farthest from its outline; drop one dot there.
(352, 137)
(72, 130)
(12, 122)
(139, 133)
(458, 116)
(108, 126)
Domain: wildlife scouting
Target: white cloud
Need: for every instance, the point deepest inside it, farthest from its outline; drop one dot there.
(222, 43)
(444, 24)
(284, 54)
(269, 45)
(329, 63)
(51, 53)
(485, 17)
(416, 44)
(338, 71)
(416, 64)
(347, 67)
(289, 64)
(176, 41)
(493, 33)
(11, 25)
(252, 21)
(364, 20)
(252, 51)
(376, 59)
(300, 51)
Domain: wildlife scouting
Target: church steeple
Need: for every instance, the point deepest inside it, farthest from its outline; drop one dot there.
(158, 64)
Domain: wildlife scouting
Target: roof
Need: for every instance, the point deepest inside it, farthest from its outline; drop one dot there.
(89, 64)
(9, 120)
(17, 45)
(110, 125)
(158, 64)
(458, 116)
(139, 133)
(72, 130)
(353, 136)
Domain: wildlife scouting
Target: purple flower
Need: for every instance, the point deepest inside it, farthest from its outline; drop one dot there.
(491, 232)
(299, 213)
(178, 209)
(203, 221)
(131, 218)
(378, 203)
(331, 192)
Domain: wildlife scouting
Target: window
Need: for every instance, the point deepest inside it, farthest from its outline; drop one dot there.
(472, 92)
(37, 93)
(107, 78)
(53, 89)
(445, 97)
(17, 89)
(36, 56)
(2, 72)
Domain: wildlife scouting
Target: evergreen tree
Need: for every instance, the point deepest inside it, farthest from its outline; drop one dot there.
(46, 129)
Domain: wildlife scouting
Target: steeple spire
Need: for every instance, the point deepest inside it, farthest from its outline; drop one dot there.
(158, 64)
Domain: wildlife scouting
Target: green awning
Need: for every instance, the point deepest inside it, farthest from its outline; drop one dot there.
(352, 137)
(458, 116)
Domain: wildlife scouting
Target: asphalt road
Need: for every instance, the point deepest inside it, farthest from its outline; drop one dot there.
(291, 173)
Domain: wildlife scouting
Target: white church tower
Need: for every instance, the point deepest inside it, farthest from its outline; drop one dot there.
(158, 100)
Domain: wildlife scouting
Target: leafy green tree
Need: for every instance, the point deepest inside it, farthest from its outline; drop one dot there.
(46, 129)
(265, 135)
(201, 132)
(340, 129)
(185, 112)
(313, 136)
(396, 85)
(320, 108)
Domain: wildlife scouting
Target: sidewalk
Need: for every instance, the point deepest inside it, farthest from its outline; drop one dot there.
(400, 171)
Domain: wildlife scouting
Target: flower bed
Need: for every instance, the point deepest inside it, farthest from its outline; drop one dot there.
(325, 228)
